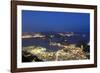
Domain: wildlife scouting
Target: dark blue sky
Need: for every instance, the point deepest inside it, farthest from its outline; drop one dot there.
(44, 21)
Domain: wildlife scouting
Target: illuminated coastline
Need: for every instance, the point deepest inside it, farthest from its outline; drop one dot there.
(65, 51)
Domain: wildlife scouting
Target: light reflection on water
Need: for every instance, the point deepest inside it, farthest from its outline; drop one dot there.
(46, 42)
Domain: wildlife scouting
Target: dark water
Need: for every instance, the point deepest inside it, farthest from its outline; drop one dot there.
(75, 39)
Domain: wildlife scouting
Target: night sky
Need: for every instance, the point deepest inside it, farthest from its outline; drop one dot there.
(46, 21)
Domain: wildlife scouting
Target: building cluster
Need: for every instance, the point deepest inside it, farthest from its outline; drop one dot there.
(70, 52)
(35, 35)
